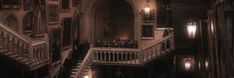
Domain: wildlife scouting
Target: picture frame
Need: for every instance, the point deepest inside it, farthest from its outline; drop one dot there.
(147, 30)
(56, 44)
(67, 31)
(53, 13)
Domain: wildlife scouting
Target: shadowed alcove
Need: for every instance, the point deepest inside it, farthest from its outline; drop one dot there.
(113, 19)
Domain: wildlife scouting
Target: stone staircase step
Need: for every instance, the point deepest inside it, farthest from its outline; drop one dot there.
(28, 31)
(73, 76)
(23, 60)
(76, 69)
(3, 51)
(8, 53)
(19, 58)
(73, 73)
(14, 56)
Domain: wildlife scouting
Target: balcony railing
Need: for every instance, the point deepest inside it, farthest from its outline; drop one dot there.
(125, 56)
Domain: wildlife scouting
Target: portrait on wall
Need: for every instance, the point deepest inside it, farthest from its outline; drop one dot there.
(53, 13)
(6, 4)
(147, 30)
(55, 44)
(66, 23)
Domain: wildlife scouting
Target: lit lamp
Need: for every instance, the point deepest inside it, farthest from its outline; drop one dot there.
(191, 28)
(187, 63)
(147, 8)
(206, 64)
(86, 76)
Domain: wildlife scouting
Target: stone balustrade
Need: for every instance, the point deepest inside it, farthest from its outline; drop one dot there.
(21, 46)
(116, 55)
(126, 56)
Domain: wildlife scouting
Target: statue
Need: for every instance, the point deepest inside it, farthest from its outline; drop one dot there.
(38, 29)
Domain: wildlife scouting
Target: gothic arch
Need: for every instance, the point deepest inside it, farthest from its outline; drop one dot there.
(12, 22)
(88, 12)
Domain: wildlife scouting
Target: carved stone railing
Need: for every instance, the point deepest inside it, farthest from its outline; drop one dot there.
(23, 48)
(126, 56)
(116, 55)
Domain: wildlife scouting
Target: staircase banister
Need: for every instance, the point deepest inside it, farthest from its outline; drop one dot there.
(87, 58)
(156, 42)
(13, 32)
(117, 49)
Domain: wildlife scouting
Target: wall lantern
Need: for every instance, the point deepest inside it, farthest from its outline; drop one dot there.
(187, 63)
(147, 8)
(86, 76)
(191, 29)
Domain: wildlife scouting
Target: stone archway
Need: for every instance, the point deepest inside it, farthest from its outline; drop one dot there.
(92, 10)
(113, 19)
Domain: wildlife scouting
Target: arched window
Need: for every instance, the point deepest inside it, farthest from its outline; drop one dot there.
(12, 22)
(65, 4)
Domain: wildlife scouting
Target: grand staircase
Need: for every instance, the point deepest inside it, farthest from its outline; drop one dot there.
(18, 48)
(123, 56)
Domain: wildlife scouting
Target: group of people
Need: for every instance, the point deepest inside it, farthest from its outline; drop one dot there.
(117, 43)
(78, 52)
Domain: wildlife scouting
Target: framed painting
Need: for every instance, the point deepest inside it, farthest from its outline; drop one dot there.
(53, 13)
(147, 30)
(66, 23)
(56, 44)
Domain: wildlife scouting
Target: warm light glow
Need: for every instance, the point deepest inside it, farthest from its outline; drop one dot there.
(191, 28)
(147, 9)
(206, 64)
(86, 76)
(212, 27)
(187, 63)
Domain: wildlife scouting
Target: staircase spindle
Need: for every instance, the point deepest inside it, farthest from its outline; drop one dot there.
(1, 41)
(109, 57)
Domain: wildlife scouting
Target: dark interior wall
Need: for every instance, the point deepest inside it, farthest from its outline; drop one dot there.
(182, 11)
(160, 68)
(122, 21)
(113, 19)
